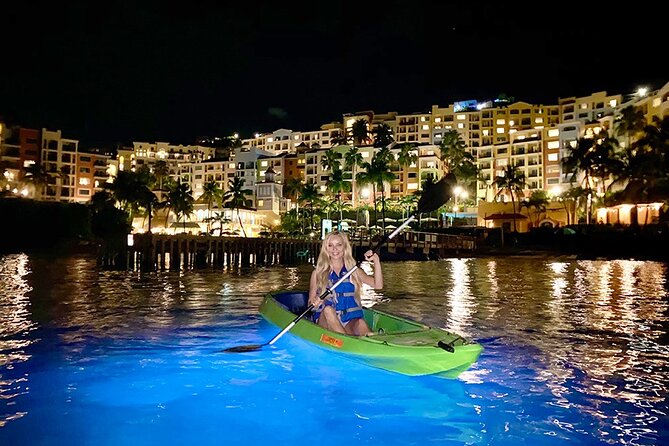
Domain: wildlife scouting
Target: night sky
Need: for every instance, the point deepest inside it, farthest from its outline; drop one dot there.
(115, 72)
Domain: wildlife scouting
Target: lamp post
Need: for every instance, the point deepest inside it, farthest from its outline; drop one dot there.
(458, 192)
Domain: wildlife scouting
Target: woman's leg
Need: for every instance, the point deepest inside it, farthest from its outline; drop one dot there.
(357, 327)
(330, 321)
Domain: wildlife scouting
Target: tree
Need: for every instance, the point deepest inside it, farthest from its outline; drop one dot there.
(330, 159)
(513, 182)
(37, 175)
(407, 155)
(310, 196)
(538, 200)
(383, 135)
(236, 197)
(360, 133)
(595, 158)
(377, 172)
(453, 150)
(181, 201)
(161, 171)
(211, 192)
(630, 123)
(336, 184)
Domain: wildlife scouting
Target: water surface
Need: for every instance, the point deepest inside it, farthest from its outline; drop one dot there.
(575, 353)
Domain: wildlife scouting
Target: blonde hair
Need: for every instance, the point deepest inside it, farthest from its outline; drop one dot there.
(323, 266)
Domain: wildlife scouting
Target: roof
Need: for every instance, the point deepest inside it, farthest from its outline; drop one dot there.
(504, 216)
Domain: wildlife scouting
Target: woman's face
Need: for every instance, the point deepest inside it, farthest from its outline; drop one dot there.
(335, 247)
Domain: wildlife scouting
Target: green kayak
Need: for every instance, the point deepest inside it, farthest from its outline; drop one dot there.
(398, 345)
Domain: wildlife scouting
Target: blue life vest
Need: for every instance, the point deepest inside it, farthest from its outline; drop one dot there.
(342, 298)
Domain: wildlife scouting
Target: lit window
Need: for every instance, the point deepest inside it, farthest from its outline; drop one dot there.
(553, 132)
(461, 125)
(426, 127)
(552, 157)
(460, 117)
(84, 181)
(500, 130)
(501, 121)
(538, 120)
(437, 119)
(554, 144)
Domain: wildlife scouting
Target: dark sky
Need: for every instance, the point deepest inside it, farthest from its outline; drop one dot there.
(117, 71)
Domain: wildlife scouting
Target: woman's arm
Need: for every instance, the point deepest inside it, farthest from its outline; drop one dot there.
(375, 281)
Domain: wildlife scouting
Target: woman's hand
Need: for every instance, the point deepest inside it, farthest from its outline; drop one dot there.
(372, 256)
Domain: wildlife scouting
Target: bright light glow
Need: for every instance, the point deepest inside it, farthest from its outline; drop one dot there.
(642, 92)
(457, 190)
(24, 192)
(131, 240)
(555, 191)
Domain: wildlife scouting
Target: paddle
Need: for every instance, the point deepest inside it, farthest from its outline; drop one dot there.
(433, 196)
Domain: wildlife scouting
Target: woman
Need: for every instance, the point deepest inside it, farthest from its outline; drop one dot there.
(341, 310)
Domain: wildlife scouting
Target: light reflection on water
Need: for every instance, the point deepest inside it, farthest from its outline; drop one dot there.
(575, 351)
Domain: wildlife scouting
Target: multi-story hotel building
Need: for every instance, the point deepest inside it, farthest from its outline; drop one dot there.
(534, 138)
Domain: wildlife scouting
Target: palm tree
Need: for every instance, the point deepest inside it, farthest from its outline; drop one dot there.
(330, 159)
(37, 175)
(513, 182)
(236, 197)
(360, 133)
(211, 192)
(643, 167)
(161, 171)
(377, 172)
(221, 219)
(453, 149)
(336, 184)
(383, 135)
(538, 200)
(310, 196)
(181, 201)
(596, 159)
(407, 155)
(630, 123)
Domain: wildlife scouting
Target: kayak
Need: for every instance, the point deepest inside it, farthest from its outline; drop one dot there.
(399, 345)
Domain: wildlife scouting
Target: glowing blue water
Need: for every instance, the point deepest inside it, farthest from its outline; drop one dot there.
(575, 354)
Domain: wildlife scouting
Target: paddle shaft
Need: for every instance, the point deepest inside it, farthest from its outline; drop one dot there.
(376, 249)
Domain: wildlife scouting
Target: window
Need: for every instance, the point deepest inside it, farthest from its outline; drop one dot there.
(85, 159)
(84, 192)
(84, 170)
(552, 157)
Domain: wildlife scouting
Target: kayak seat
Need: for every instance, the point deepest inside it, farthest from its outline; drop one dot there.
(294, 301)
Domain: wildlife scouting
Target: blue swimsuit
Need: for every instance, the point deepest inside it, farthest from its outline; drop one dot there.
(342, 299)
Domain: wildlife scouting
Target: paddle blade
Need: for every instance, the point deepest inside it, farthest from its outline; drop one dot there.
(243, 348)
(436, 194)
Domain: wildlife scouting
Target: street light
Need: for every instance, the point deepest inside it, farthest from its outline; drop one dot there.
(458, 192)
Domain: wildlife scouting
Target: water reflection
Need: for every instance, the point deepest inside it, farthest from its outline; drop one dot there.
(15, 327)
(589, 337)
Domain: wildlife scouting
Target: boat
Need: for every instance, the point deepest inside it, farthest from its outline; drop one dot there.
(398, 344)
